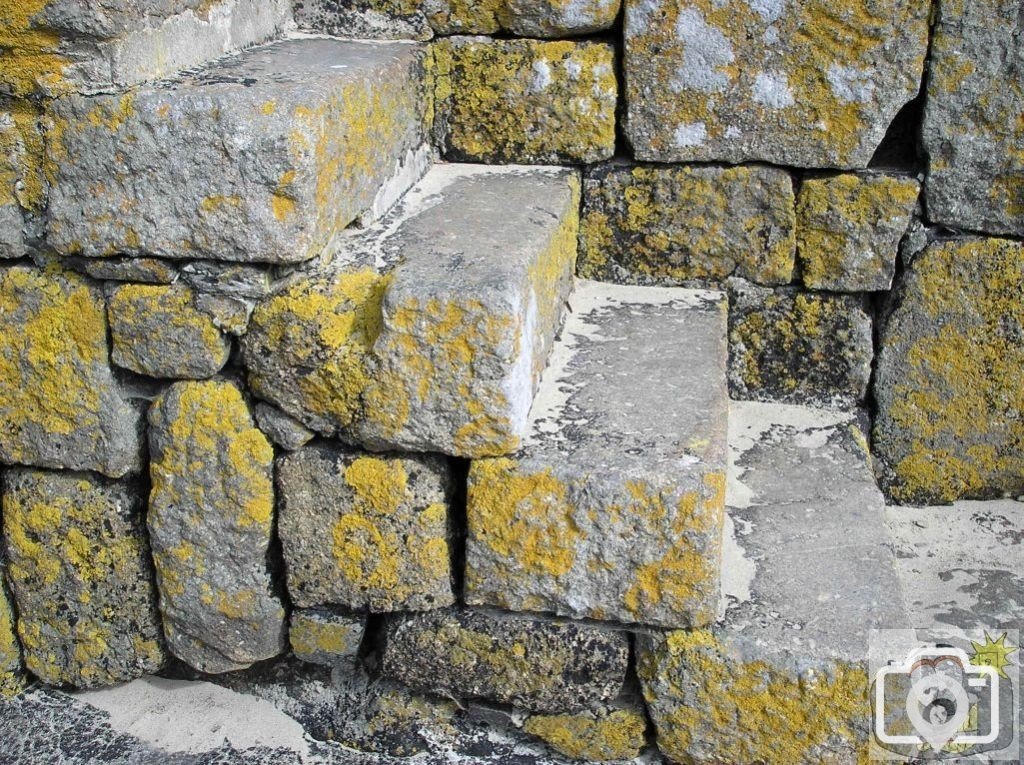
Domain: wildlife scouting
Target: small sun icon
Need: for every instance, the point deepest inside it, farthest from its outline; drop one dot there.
(993, 653)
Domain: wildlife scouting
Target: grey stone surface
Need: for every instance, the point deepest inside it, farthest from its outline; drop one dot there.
(613, 508)
(284, 431)
(229, 279)
(364, 19)
(137, 270)
(259, 157)
(948, 387)
(365, 531)
(159, 331)
(798, 347)
(541, 665)
(787, 662)
(525, 18)
(807, 83)
(12, 236)
(60, 406)
(973, 122)
(322, 636)
(12, 171)
(82, 578)
(211, 515)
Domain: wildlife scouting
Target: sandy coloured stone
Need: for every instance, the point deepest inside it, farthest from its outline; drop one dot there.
(973, 131)
(807, 83)
(787, 661)
(525, 18)
(612, 509)
(60, 406)
(364, 19)
(12, 668)
(948, 387)
(321, 636)
(796, 347)
(211, 517)
(540, 665)
(671, 225)
(259, 157)
(525, 101)
(159, 331)
(82, 578)
(849, 228)
(601, 736)
(284, 431)
(365, 531)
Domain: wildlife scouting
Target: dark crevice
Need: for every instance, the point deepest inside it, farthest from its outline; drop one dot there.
(458, 524)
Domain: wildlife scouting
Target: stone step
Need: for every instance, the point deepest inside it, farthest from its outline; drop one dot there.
(429, 330)
(613, 507)
(259, 157)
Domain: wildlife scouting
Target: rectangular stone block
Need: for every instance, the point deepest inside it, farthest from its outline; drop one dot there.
(524, 18)
(809, 83)
(364, 19)
(525, 101)
(672, 225)
(321, 636)
(260, 157)
(613, 507)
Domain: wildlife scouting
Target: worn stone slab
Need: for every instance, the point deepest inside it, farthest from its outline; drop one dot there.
(796, 347)
(613, 507)
(542, 666)
(364, 19)
(135, 270)
(12, 667)
(809, 83)
(82, 578)
(211, 517)
(525, 18)
(60, 406)
(259, 157)
(365, 531)
(525, 101)
(321, 636)
(973, 127)
(787, 662)
(950, 400)
(672, 225)
(849, 228)
(282, 430)
(159, 331)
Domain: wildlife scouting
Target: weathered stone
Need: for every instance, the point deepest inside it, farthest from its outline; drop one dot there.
(211, 514)
(159, 331)
(849, 227)
(138, 270)
(364, 19)
(229, 279)
(365, 531)
(227, 314)
(670, 225)
(258, 157)
(526, 18)
(525, 101)
(82, 578)
(950, 400)
(973, 128)
(285, 431)
(17, 122)
(608, 734)
(787, 662)
(320, 636)
(613, 507)
(810, 83)
(543, 666)
(59, 404)
(12, 668)
(798, 347)
(55, 46)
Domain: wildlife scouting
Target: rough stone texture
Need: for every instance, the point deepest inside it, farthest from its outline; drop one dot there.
(849, 227)
(232, 280)
(543, 666)
(787, 662)
(16, 124)
(809, 83)
(670, 225)
(798, 347)
(139, 270)
(80, 571)
(974, 117)
(602, 736)
(259, 157)
(950, 419)
(525, 101)
(284, 431)
(321, 636)
(365, 531)
(211, 515)
(364, 19)
(526, 18)
(59, 404)
(159, 331)
(12, 668)
(56, 46)
(613, 507)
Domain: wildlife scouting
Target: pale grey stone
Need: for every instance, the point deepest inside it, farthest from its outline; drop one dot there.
(82, 578)
(136, 270)
(557, 18)
(12, 234)
(322, 636)
(364, 19)
(613, 507)
(227, 314)
(251, 158)
(285, 431)
(228, 279)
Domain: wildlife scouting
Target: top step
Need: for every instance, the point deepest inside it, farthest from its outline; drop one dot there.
(259, 157)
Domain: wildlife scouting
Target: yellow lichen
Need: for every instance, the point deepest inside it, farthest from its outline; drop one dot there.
(312, 637)
(618, 735)
(12, 678)
(32, 60)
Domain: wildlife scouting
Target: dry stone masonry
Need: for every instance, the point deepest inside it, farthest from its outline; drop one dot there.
(521, 382)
